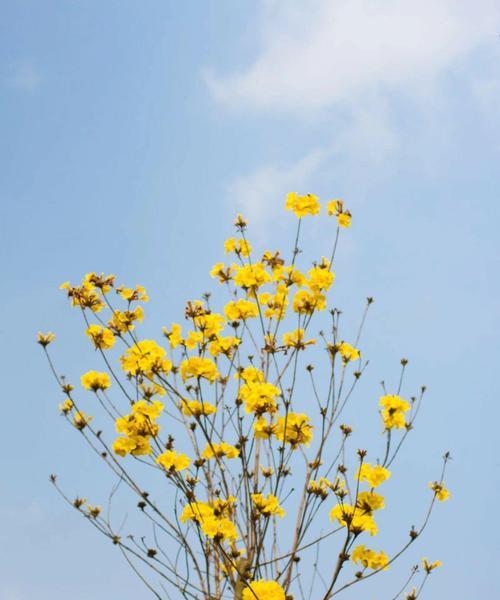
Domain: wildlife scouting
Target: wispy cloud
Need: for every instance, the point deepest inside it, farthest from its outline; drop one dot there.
(260, 194)
(350, 65)
(24, 77)
(325, 52)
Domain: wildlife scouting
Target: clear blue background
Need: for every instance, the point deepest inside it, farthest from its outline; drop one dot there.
(115, 156)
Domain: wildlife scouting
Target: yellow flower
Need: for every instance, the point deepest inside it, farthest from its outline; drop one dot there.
(210, 324)
(276, 305)
(441, 492)
(230, 245)
(92, 380)
(294, 429)
(224, 345)
(263, 430)
(220, 450)
(369, 558)
(145, 357)
(353, 518)
(66, 406)
(305, 302)
(84, 295)
(80, 420)
(193, 408)
(174, 336)
(295, 339)
(267, 506)
(428, 567)
(123, 321)
(172, 461)
(102, 337)
(263, 589)
(239, 246)
(245, 248)
(138, 426)
(44, 339)
(302, 205)
(151, 410)
(137, 445)
(131, 295)
(320, 277)
(222, 272)
(348, 352)
(373, 475)
(251, 277)
(393, 411)
(197, 366)
(193, 339)
(240, 310)
(219, 529)
(336, 207)
(369, 501)
(259, 396)
(197, 512)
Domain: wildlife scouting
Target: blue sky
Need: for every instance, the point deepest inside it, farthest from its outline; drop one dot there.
(133, 132)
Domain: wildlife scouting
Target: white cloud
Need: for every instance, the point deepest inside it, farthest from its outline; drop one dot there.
(260, 195)
(328, 52)
(349, 66)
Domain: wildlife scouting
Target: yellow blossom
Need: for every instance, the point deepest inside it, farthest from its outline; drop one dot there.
(174, 336)
(251, 277)
(197, 512)
(193, 408)
(131, 295)
(224, 345)
(66, 406)
(102, 337)
(145, 357)
(369, 558)
(193, 339)
(84, 295)
(219, 529)
(336, 207)
(197, 366)
(263, 589)
(375, 475)
(223, 273)
(263, 430)
(220, 450)
(393, 411)
(80, 420)
(123, 321)
(172, 461)
(302, 205)
(44, 339)
(92, 380)
(137, 445)
(353, 518)
(320, 277)
(294, 429)
(305, 302)
(240, 310)
(267, 506)
(348, 352)
(441, 492)
(295, 339)
(259, 396)
(367, 502)
(428, 566)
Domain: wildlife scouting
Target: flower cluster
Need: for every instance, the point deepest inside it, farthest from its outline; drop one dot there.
(253, 398)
